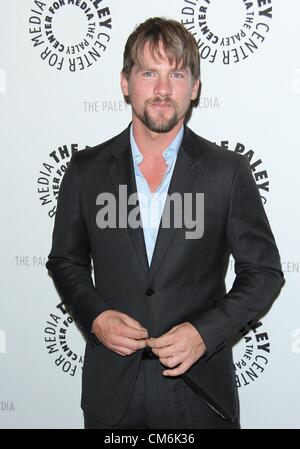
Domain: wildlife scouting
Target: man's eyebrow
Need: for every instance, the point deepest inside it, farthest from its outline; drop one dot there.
(180, 69)
(144, 67)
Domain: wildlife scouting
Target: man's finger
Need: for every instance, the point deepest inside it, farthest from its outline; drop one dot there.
(120, 350)
(167, 351)
(171, 362)
(182, 368)
(131, 343)
(132, 332)
(160, 342)
(131, 322)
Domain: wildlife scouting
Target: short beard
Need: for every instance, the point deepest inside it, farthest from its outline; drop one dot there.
(155, 125)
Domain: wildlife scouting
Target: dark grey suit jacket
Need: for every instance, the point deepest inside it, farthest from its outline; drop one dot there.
(185, 281)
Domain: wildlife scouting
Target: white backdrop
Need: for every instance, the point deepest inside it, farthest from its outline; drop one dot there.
(60, 92)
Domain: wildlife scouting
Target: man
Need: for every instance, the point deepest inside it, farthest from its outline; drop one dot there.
(158, 319)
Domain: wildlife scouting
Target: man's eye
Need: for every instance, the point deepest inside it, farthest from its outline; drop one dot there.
(148, 74)
(177, 75)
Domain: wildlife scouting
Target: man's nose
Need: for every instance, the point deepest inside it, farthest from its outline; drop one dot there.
(163, 87)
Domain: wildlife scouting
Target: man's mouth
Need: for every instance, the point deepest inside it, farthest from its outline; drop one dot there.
(161, 104)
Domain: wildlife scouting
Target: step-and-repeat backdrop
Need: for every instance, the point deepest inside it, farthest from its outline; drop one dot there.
(59, 92)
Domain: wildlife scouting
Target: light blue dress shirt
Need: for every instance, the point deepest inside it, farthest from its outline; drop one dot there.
(152, 204)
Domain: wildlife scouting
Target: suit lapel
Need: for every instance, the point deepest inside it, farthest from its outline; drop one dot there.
(183, 178)
(184, 175)
(122, 173)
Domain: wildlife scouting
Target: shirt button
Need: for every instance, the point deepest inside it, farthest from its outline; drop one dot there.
(149, 292)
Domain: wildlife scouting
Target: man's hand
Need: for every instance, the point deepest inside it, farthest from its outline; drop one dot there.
(181, 345)
(119, 332)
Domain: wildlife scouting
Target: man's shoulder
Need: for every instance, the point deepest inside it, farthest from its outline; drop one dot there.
(212, 153)
(102, 150)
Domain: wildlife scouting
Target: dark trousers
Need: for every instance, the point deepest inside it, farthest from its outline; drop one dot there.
(160, 402)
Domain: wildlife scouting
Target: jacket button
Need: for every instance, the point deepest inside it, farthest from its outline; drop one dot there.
(149, 292)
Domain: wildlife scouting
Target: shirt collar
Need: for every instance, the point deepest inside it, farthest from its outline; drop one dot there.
(169, 154)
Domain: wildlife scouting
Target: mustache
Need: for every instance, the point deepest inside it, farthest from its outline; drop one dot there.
(160, 100)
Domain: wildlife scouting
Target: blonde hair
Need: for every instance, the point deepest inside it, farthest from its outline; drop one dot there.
(179, 45)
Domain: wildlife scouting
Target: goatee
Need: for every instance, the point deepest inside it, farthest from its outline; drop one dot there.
(160, 125)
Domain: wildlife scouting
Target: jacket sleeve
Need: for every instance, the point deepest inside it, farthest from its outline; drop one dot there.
(257, 265)
(69, 261)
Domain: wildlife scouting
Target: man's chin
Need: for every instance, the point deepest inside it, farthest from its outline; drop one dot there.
(162, 125)
(161, 128)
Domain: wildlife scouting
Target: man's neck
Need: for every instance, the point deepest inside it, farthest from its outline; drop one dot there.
(152, 144)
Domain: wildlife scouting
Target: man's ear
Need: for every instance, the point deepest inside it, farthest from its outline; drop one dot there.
(195, 90)
(124, 84)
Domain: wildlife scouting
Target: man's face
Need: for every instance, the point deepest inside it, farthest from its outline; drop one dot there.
(160, 94)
